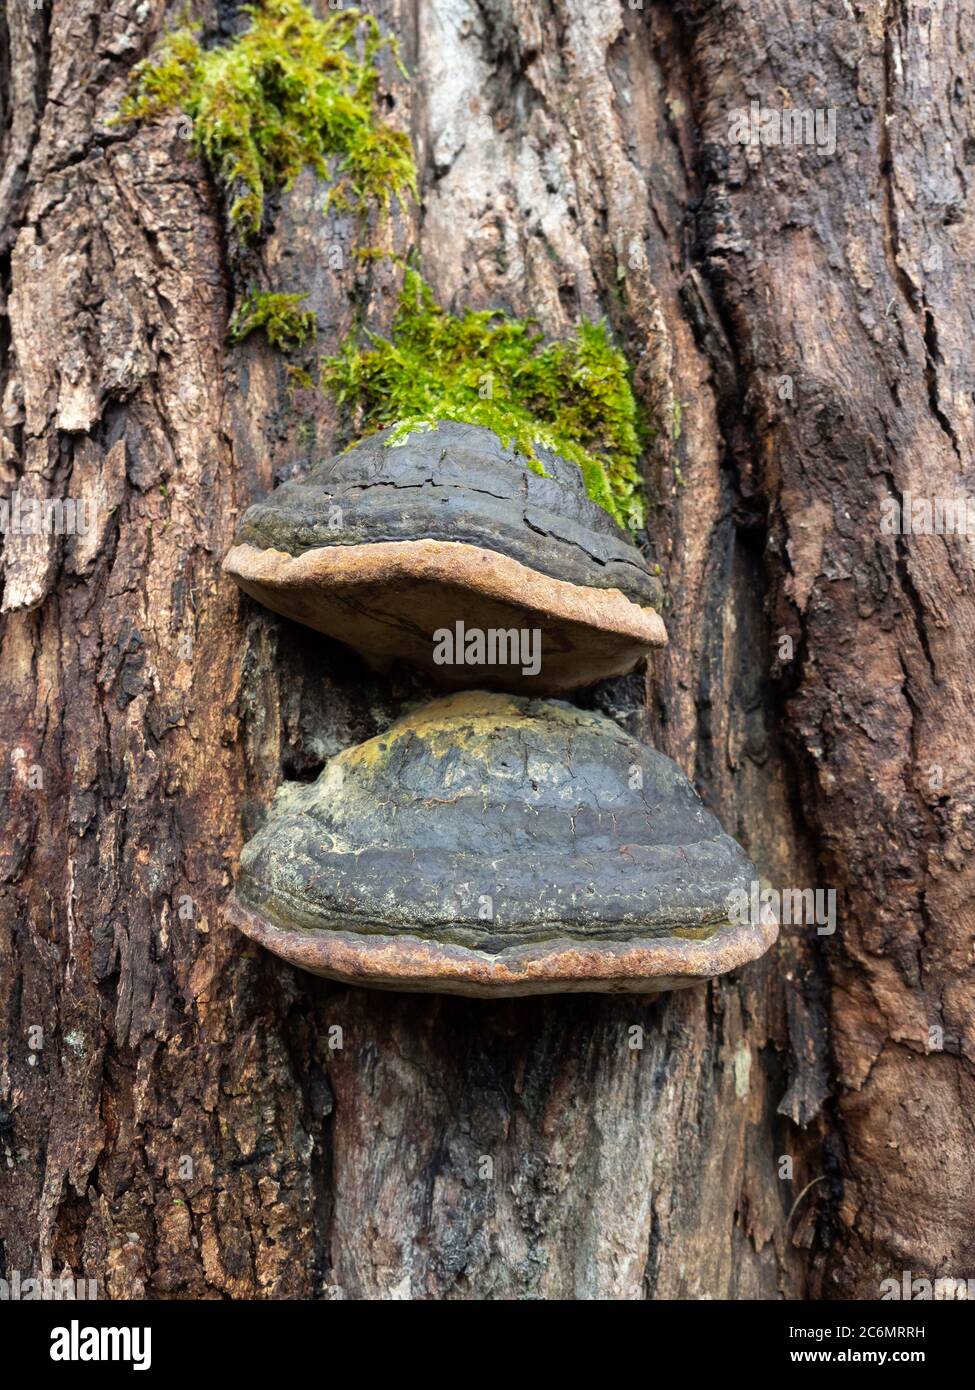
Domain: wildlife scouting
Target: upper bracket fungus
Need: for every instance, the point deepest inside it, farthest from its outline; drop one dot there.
(494, 845)
(445, 548)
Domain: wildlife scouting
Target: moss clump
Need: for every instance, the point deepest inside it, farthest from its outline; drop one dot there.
(283, 322)
(292, 90)
(490, 369)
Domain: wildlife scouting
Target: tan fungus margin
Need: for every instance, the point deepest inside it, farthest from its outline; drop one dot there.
(558, 967)
(453, 563)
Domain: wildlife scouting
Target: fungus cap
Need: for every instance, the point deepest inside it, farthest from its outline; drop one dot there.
(396, 540)
(495, 845)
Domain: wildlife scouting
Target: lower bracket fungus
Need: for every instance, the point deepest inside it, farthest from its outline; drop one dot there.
(493, 845)
(394, 543)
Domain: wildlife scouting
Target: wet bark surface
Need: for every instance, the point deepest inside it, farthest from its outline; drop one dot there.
(183, 1115)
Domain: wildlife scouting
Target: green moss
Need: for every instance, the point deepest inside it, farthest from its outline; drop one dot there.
(491, 369)
(298, 379)
(284, 323)
(292, 90)
(677, 418)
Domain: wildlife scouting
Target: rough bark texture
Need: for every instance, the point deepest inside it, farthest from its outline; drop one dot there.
(181, 1114)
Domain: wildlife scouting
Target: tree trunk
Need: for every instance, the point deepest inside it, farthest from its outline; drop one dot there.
(182, 1114)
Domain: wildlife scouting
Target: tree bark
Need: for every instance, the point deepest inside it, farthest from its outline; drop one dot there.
(183, 1115)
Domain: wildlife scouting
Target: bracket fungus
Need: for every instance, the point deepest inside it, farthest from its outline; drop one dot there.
(496, 845)
(401, 537)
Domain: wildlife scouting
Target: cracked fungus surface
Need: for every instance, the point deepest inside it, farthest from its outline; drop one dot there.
(454, 482)
(555, 816)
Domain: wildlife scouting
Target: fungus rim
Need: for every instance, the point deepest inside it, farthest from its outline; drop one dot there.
(601, 632)
(490, 573)
(410, 964)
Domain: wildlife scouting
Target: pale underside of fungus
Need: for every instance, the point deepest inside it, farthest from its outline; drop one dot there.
(396, 540)
(494, 845)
